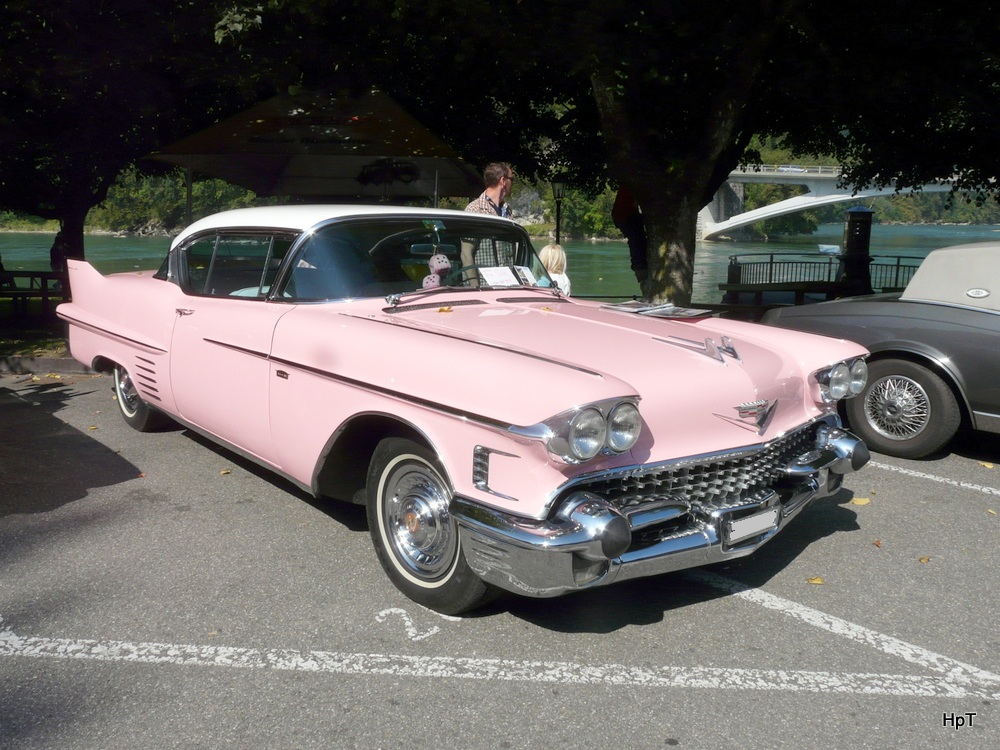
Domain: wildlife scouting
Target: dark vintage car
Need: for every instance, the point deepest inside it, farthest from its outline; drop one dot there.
(935, 351)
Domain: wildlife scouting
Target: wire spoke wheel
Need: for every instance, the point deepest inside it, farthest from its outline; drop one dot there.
(906, 409)
(898, 408)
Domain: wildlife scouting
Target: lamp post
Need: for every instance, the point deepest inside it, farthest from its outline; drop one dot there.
(558, 192)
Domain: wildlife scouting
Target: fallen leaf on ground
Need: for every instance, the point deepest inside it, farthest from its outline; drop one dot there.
(92, 427)
(925, 559)
(878, 543)
(986, 464)
(818, 580)
(991, 511)
(860, 501)
(226, 471)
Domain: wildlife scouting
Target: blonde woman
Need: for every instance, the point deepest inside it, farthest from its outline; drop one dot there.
(553, 257)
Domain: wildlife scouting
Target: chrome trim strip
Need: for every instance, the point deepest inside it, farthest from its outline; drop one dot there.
(238, 349)
(986, 422)
(481, 470)
(709, 347)
(399, 395)
(111, 335)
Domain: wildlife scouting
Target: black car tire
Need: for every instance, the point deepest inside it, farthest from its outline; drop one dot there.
(415, 536)
(905, 410)
(137, 413)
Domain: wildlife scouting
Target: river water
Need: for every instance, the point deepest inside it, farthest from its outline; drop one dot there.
(596, 268)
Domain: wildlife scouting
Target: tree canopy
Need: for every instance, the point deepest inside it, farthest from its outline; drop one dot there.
(664, 96)
(90, 87)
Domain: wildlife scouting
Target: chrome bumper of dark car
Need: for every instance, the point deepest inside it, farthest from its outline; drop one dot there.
(645, 521)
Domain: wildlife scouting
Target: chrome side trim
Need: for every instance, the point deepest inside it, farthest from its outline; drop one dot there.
(148, 348)
(986, 422)
(481, 470)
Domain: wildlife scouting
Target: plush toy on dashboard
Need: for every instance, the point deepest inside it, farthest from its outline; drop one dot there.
(439, 266)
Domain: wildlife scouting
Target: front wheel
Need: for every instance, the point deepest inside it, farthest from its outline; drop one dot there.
(137, 413)
(905, 410)
(415, 536)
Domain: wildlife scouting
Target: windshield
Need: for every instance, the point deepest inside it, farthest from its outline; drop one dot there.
(380, 257)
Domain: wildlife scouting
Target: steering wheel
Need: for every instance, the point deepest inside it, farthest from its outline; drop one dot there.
(457, 276)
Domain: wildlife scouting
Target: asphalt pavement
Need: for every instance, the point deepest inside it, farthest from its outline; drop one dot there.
(159, 592)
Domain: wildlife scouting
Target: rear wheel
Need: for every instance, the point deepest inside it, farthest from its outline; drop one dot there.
(905, 410)
(137, 413)
(415, 536)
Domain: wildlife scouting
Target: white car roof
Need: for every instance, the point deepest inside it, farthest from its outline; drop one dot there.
(967, 275)
(301, 217)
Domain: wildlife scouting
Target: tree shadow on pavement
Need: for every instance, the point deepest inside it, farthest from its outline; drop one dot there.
(44, 462)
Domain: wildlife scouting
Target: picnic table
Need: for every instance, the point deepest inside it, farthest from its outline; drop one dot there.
(23, 286)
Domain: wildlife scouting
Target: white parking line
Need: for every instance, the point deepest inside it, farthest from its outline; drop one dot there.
(935, 478)
(954, 670)
(953, 685)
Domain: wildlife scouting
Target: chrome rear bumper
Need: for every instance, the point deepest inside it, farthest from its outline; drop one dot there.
(590, 542)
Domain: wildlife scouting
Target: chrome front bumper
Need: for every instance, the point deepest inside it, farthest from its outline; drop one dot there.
(592, 542)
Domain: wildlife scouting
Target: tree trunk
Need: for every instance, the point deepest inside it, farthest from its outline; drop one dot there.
(671, 227)
(71, 228)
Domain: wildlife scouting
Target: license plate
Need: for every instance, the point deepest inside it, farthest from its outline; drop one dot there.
(749, 526)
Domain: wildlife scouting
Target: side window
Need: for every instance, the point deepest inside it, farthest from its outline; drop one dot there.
(233, 265)
(197, 262)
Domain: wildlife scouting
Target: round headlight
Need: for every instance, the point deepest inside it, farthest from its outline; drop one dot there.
(859, 376)
(587, 433)
(624, 425)
(840, 382)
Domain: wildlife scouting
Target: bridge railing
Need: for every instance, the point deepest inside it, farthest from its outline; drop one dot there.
(792, 169)
(888, 272)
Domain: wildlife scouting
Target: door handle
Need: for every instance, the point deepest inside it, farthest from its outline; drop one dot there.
(184, 311)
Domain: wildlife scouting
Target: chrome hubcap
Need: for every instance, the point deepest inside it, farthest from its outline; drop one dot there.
(898, 408)
(128, 396)
(417, 523)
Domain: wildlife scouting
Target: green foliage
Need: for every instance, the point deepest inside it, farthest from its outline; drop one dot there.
(157, 204)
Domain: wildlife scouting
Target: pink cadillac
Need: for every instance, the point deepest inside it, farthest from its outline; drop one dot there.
(501, 435)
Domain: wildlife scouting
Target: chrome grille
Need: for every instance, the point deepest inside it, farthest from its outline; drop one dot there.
(718, 481)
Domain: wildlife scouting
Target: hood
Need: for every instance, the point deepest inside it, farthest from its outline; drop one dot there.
(520, 360)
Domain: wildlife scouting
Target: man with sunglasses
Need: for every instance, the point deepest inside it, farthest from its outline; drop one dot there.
(499, 179)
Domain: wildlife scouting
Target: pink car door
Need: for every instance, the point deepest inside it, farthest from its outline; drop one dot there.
(219, 368)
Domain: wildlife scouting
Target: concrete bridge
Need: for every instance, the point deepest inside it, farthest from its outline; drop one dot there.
(725, 213)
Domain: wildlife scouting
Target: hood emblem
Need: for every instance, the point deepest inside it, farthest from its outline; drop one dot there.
(758, 412)
(710, 348)
(752, 409)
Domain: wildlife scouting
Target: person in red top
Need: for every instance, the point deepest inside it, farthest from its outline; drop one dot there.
(627, 216)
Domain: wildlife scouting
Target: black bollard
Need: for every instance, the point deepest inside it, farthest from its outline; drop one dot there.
(854, 272)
